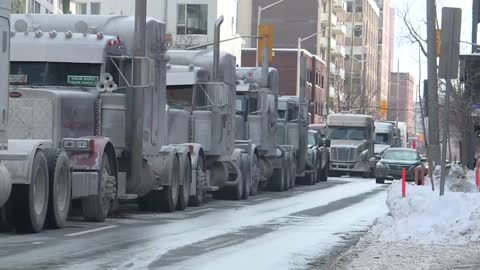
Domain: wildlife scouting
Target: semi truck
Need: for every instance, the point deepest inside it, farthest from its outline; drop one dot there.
(352, 144)
(204, 84)
(386, 135)
(256, 123)
(5, 177)
(293, 130)
(88, 119)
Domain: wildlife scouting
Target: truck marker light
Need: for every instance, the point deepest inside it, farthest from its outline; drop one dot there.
(99, 35)
(68, 34)
(52, 34)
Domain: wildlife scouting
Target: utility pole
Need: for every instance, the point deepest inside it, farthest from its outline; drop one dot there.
(433, 119)
(329, 51)
(351, 57)
(259, 19)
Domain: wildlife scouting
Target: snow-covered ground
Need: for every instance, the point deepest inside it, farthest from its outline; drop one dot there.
(424, 230)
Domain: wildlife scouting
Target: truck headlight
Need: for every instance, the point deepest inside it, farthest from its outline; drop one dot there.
(74, 144)
(364, 155)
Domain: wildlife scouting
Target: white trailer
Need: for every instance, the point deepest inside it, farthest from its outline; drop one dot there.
(88, 119)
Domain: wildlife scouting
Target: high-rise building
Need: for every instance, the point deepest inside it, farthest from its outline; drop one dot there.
(361, 61)
(475, 22)
(299, 19)
(401, 99)
(38, 6)
(385, 49)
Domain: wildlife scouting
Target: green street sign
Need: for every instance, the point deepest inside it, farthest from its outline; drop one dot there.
(79, 80)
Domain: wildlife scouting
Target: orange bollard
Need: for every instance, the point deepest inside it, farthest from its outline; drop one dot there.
(404, 182)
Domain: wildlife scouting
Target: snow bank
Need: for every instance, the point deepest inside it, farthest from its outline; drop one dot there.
(424, 216)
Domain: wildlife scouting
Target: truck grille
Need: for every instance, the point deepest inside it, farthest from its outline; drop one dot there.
(30, 118)
(344, 154)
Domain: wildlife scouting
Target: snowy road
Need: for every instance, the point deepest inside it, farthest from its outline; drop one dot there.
(269, 231)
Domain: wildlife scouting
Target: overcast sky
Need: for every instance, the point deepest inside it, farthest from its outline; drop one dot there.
(408, 53)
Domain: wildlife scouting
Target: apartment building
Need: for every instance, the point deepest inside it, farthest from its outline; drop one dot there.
(385, 49)
(38, 6)
(361, 61)
(401, 99)
(299, 19)
(191, 22)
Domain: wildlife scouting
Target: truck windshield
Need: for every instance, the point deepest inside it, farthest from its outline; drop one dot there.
(311, 139)
(347, 133)
(54, 74)
(381, 138)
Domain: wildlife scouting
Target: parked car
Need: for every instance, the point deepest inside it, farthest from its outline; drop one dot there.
(393, 160)
(319, 154)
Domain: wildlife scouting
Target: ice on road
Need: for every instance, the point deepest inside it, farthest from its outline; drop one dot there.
(282, 232)
(292, 246)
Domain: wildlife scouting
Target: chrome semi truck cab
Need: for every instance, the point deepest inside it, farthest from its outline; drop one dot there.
(352, 143)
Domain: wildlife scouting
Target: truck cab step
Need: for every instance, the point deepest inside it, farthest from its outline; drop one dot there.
(127, 196)
(212, 188)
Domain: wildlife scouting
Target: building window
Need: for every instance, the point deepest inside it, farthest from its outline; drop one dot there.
(95, 8)
(358, 30)
(192, 19)
(81, 8)
(349, 7)
(36, 8)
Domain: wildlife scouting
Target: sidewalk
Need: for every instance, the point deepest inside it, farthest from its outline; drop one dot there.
(373, 254)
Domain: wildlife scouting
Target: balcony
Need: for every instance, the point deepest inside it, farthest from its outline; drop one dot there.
(341, 73)
(324, 19)
(324, 43)
(339, 51)
(340, 6)
(333, 68)
(340, 29)
(357, 50)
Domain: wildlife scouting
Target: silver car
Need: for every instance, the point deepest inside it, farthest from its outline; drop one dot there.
(393, 160)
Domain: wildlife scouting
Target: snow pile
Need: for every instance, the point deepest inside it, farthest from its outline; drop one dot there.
(424, 216)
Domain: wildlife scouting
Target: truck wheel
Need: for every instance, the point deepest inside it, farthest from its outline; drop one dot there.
(256, 174)
(169, 195)
(60, 188)
(6, 217)
(233, 192)
(96, 208)
(31, 201)
(324, 174)
(293, 171)
(246, 176)
(199, 197)
(277, 182)
(186, 181)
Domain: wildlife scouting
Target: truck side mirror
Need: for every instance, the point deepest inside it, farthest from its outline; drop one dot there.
(327, 142)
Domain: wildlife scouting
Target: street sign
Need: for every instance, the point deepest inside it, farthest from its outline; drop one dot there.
(383, 107)
(80, 80)
(265, 33)
(450, 43)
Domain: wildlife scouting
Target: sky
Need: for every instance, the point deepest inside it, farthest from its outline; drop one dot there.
(407, 53)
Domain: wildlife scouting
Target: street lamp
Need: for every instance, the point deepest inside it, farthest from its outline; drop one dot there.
(259, 18)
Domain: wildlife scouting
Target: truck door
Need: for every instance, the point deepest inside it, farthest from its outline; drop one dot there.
(4, 74)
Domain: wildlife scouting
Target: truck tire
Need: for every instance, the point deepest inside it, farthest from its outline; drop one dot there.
(96, 208)
(232, 192)
(168, 197)
(379, 180)
(186, 181)
(199, 198)
(246, 176)
(323, 175)
(279, 176)
(6, 217)
(293, 171)
(60, 186)
(256, 174)
(31, 201)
